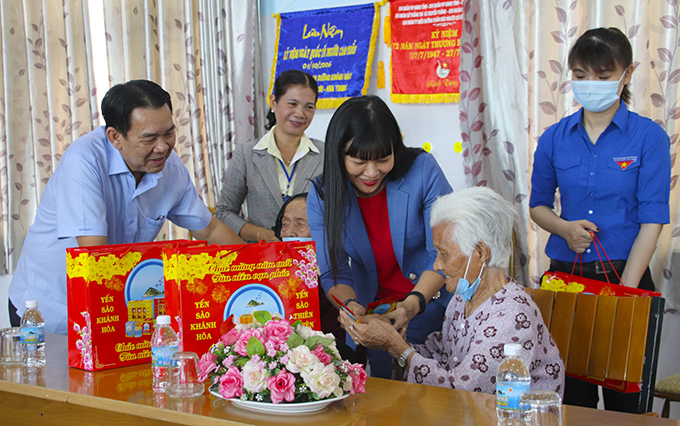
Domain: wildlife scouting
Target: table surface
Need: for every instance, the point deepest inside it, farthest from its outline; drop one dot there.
(60, 395)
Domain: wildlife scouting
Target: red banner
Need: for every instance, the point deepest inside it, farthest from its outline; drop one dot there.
(425, 40)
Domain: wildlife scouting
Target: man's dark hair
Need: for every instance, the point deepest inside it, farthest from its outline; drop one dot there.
(122, 99)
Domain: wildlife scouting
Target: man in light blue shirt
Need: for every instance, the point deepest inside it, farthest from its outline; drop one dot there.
(114, 185)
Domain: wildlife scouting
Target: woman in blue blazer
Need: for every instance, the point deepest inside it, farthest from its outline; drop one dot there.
(369, 215)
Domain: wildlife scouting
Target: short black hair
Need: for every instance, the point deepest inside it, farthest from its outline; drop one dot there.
(283, 82)
(122, 99)
(278, 225)
(602, 49)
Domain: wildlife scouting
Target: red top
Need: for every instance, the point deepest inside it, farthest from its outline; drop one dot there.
(391, 281)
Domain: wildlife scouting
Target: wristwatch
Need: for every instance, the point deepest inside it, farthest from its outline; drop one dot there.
(404, 356)
(421, 299)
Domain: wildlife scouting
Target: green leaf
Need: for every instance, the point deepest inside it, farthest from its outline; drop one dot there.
(262, 316)
(294, 340)
(296, 323)
(254, 346)
(314, 341)
(241, 362)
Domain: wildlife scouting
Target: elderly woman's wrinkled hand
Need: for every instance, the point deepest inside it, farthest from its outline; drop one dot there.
(370, 331)
(401, 316)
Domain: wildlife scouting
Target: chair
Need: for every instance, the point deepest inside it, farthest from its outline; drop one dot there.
(608, 340)
(668, 388)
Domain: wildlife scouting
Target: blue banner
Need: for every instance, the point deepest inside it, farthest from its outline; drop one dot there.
(335, 45)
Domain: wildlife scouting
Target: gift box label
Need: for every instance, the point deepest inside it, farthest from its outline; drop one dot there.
(208, 287)
(115, 293)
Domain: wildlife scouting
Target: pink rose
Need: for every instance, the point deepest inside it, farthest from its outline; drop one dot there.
(240, 345)
(358, 375)
(282, 386)
(230, 337)
(320, 353)
(277, 332)
(206, 365)
(231, 383)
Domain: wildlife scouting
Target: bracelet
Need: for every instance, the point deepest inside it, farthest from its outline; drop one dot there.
(421, 299)
(349, 301)
(257, 237)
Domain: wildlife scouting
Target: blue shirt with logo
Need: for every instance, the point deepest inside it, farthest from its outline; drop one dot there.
(619, 183)
(92, 192)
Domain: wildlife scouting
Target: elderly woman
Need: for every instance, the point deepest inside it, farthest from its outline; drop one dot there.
(472, 232)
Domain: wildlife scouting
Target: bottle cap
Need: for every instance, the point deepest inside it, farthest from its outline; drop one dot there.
(512, 349)
(31, 304)
(165, 320)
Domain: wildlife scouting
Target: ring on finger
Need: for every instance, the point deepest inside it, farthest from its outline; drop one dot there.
(356, 342)
(351, 327)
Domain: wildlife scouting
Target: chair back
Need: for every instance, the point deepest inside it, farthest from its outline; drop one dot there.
(606, 339)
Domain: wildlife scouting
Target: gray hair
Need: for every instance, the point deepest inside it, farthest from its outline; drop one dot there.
(477, 214)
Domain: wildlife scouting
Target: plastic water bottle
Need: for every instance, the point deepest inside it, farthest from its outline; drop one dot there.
(33, 336)
(164, 343)
(512, 380)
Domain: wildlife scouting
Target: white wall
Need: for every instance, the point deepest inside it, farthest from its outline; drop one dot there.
(437, 124)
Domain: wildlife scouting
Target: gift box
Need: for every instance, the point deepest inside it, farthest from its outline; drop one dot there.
(561, 281)
(210, 288)
(115, 292)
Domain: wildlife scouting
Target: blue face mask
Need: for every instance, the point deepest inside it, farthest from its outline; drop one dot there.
(464, 287)
(596, 96)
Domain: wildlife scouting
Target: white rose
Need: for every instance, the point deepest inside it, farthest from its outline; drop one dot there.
(338, 392)
(348, 384)
(323, 380)
(301, 360)
(254, 377)
(304, 332)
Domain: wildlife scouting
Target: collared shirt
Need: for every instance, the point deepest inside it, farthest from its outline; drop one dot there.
(268, 143)
(92, 192)
(618, 183)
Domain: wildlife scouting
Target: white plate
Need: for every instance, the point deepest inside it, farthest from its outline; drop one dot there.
(284, 408)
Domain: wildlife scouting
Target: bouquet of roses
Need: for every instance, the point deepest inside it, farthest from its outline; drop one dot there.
(271, 360)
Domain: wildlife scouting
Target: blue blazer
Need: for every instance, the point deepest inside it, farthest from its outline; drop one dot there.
(409, 200)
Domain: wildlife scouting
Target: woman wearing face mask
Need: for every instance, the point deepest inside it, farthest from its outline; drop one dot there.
(612, 167)
(368, 214)
(472, 233)
(267, 172)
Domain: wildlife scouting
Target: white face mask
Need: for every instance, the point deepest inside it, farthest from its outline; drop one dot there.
(302, 239)
(596, 96)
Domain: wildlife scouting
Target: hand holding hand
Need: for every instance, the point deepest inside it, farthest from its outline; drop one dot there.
(370, 332)
(404, 313)
(576, 234)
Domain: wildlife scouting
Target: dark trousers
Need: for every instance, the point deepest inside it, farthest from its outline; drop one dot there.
(584, 394)
(14, 319)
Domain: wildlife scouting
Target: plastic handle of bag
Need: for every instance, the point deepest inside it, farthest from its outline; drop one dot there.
(579, 258)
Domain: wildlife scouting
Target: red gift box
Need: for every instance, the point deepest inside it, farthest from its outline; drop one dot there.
(115, 293)
(206, 286)
(561, 281)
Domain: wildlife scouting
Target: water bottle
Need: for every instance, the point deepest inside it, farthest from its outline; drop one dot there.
(164, 343)
(512, 380)
(33, 336)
